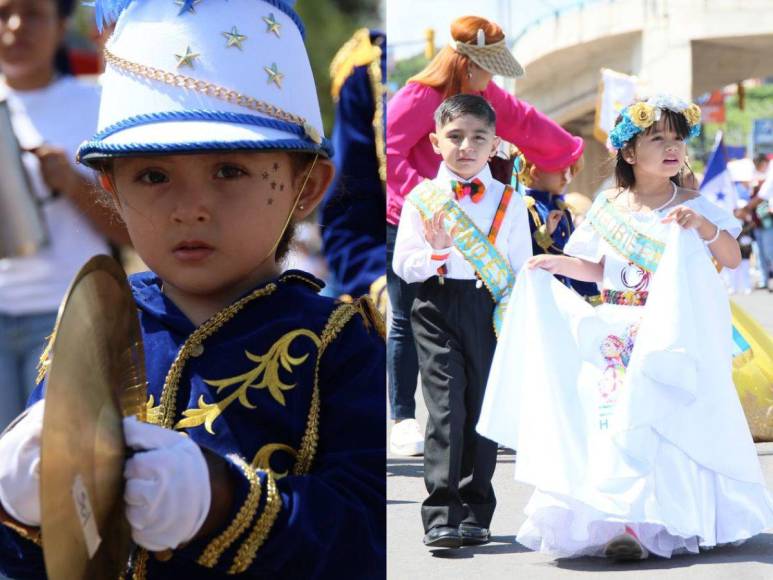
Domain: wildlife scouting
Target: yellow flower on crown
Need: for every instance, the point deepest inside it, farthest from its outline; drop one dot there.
(642, 115)
(693, 114)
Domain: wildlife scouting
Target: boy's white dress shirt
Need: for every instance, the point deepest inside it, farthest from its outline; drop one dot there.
(412, 259)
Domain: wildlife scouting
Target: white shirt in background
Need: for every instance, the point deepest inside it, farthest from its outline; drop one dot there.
(63, 114)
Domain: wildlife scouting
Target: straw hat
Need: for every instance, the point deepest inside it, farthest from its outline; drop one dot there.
(188, 76)
(496, 58)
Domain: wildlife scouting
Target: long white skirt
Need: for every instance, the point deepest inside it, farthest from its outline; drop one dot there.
(626, 415)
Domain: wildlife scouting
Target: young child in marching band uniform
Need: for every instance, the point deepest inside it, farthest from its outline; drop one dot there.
(266, 453)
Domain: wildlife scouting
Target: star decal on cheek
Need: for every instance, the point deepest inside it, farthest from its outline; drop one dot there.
(233, 38)
(187, 58)
(276, 166)
(274, 76)
(270, 200)
(264, 175)
(187, 6)
(271, 24)
(273, 185)
(281, 187)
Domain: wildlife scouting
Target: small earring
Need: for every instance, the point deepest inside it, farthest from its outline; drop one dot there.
(469, 75)
(300, 206)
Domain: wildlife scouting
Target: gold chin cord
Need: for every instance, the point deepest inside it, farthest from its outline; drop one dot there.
(292, 209)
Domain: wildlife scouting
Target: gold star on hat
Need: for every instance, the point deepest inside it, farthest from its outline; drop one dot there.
(187, 5)
(274, 76)
(271, 24)
(234, 38)
(187, 58)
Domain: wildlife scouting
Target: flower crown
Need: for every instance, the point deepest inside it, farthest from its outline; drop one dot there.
(641, 115)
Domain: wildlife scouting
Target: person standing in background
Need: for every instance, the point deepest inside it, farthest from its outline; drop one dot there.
(352, 213)
(51, 112)
(477, 51)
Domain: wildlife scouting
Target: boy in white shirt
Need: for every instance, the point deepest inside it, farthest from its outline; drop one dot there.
(463, 235)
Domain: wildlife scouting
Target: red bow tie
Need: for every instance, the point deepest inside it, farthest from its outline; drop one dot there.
(475, 189)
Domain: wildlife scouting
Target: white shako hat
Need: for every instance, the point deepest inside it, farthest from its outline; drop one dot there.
(186, 76)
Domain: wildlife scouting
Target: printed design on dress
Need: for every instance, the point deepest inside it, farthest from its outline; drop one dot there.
(616, 351)
(265, 375)
(635, 277)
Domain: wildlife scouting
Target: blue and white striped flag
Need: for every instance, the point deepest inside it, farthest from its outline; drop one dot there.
(717, 185)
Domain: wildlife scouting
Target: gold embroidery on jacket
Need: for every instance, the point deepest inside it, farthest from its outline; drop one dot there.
(221, 543)
(262, 459)
(263, 376)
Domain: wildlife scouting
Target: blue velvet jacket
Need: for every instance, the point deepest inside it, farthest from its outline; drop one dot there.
(539, 205)
(353, 212)
(288, 386)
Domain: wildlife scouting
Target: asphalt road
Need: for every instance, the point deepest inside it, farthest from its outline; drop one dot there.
(408, 558)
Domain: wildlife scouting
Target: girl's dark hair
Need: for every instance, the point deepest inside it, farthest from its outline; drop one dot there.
(624, 177)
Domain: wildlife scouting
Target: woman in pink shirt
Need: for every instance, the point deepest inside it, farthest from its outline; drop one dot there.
(477, 51)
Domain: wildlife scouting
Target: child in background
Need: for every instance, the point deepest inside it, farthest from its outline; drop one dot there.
(266, 456)
(462, 235)
(550, 220)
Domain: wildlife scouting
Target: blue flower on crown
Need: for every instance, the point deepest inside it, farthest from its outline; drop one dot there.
(641, 115)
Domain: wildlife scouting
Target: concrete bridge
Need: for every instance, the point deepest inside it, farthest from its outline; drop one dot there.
(683, 47)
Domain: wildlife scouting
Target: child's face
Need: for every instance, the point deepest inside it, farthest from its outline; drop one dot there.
(554, 182)
(205, 223)
(661, 152)
(30, 32)
(465, 144)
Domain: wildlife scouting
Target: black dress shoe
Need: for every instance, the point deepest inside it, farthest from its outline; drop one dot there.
(473, 535)
(443, 537)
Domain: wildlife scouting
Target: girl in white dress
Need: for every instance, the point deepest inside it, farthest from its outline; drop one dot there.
(625, 417)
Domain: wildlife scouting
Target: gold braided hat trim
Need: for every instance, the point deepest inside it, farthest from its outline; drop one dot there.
(212, 90)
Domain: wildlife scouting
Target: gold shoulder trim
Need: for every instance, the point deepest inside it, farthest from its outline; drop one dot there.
(249, 548)
(45, 358)
(371, 315)
(529, 201)
(357, 51)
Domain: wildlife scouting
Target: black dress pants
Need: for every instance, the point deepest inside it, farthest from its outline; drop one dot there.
(455, 341)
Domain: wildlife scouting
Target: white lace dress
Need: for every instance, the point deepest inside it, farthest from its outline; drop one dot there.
(627, 415)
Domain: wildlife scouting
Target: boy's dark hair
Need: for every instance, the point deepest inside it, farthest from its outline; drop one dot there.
(463, 104)
(624, 177)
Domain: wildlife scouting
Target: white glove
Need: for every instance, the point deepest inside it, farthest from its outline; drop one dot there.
(20, 467)
(167, 486)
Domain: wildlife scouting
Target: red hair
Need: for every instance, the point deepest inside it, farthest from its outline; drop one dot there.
(447, 72)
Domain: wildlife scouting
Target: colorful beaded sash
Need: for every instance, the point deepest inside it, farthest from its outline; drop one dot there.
(611, 225)
(624, 297)
(477, 248)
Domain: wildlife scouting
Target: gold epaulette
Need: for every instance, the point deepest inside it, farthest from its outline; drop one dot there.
(562, 205)
(357, 51)
(529, 201)
(370, 315)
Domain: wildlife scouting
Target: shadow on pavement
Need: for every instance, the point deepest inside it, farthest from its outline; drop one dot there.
(757, 549)
(498, 545)
(408, 467)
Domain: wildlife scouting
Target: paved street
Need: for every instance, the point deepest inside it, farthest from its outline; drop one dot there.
(504, 558)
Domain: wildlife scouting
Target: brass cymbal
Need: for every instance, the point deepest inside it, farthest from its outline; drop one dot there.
(96, 377)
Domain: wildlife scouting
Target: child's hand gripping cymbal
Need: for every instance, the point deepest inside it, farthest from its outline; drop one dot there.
(168, 493)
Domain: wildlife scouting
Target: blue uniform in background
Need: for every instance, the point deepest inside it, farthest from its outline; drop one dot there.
(290, 390)
(539, 205)
(353, 212)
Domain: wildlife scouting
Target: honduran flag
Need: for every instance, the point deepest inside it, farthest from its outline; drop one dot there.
(717, 185)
